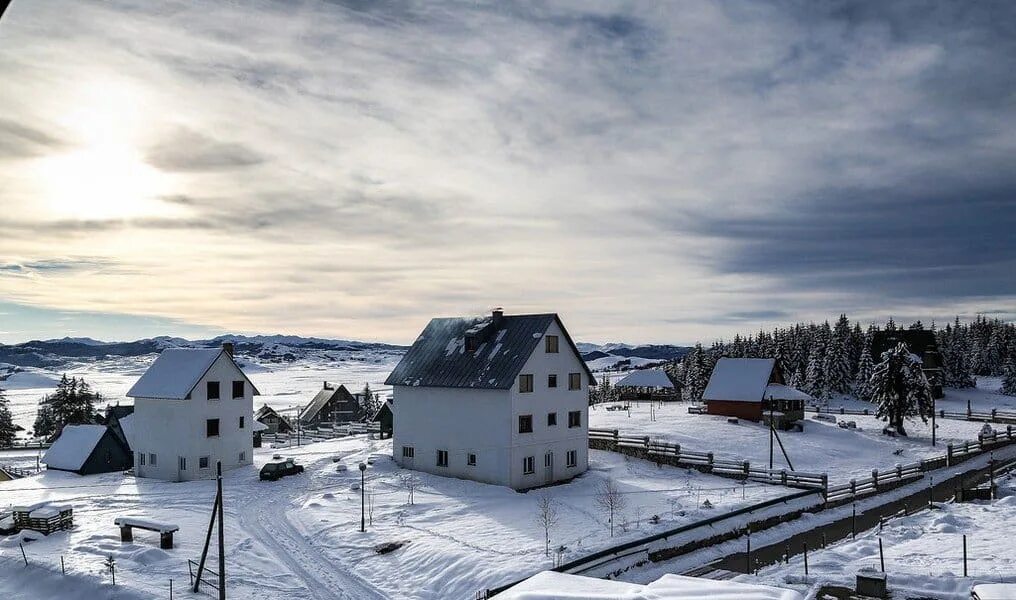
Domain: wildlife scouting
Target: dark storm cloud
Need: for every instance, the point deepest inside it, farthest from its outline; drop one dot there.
(187, 150)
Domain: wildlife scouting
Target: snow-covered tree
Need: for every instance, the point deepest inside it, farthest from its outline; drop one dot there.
(1009, 374)
(836, 365)
(73, 403)
(814, 382)
(369, 403)
(7, 428)
(899, 388)
(865, 369)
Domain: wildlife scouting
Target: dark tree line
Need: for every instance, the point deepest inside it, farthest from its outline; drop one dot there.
(830, 359)
(7, 428)
(73, 403)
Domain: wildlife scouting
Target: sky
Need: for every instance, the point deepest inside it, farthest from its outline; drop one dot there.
(653, 171)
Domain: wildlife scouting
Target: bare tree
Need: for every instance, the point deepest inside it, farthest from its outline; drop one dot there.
(370, 508)
(611, 500)
(410, 482)
(546, 517)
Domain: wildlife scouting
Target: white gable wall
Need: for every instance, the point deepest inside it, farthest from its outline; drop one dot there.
(458, 420)
(559, 439)
(172, 429)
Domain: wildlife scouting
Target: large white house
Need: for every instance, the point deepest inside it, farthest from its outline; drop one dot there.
(192, 408)
(502, 399)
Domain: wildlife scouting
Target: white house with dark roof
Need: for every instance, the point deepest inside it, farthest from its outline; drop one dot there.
(192, 408)
(502, 400)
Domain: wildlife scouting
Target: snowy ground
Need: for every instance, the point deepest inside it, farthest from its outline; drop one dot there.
(923, 552)
(298, 538)
(822, 448)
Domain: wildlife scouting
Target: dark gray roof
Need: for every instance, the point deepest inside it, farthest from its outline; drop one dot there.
(340, 394)
(438, 357)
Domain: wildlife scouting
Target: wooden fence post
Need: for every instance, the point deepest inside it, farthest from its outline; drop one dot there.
(948, 454)
(783, 477)
(709, 457)
(853, 487)
(825, 489)
(747, 469)
(874, 479)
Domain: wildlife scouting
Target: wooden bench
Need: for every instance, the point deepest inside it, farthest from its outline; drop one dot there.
(165, 530)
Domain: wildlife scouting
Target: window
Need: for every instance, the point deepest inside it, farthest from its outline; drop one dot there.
(525, 384)
(241, 422)
(141, 458)
(551, 419)
(442, 458)
(212, 428)
(525, 423)
(472, 343)
(574, 418)
(548, 460)
(572, 458)
(238, 389)
(471, 459)
(203, 462)
(551, 344)
(153, 460)
(574, 381)
(528, 465)
(243, 456)
(212, 390)
(182, 463)
(552, 381)
(407, 452)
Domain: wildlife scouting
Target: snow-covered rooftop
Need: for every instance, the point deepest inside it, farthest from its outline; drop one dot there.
(175, 373)
(127, 425)
(654, 378)
(778, 391)
(739, 379)
(75, 444)
(550, 585)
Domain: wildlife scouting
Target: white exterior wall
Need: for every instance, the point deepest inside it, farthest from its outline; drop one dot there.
(460, 421)
(559, 439)
(177, 428)
(485, 422)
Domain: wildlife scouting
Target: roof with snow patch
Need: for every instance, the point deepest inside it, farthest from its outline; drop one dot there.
(75, 444)
(438, 358)
(740, 379)
(647, 378)
(549, 585)
(778, 391)
(176, 371)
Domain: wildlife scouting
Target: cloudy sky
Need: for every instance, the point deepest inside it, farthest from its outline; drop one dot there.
(654, 171)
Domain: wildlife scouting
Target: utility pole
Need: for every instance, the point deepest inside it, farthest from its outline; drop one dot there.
(772, 433)
(363, 469)
(222, 544)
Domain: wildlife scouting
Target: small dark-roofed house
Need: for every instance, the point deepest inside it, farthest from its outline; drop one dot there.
(748, 388)
(88, 450)
(499, 399)
(922, 343)
(649, 384)
(385, 417)
(120, 419)
(275, 422)
(333, 404)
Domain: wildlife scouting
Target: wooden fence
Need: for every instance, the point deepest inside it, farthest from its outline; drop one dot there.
(320, 434)
(663, 452)
(27, 445)
(993, 416)
(18, 471)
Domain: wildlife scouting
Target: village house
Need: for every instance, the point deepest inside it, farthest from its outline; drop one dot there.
(272, 420)
(192, 409)
(334, 404)
(751, 389)
(502, 400)
(88, 450)
(648, 384)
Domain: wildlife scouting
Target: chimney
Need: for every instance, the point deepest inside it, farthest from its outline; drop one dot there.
(497, 316)
(228, 347)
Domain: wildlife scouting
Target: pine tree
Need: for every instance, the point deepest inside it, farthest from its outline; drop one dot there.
(72, 403)
(814, 382)
(900, 389)
(369, 403)
(836, 365)
(865, 368)
(1009, 374)
(8, 431)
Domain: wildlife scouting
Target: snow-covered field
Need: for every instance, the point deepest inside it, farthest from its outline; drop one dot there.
(923, 552)
(821, 448)
(299, 538)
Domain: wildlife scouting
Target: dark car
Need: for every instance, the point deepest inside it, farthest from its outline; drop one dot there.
(280, 468)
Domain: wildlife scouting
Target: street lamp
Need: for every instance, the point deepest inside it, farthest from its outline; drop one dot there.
(363, 468)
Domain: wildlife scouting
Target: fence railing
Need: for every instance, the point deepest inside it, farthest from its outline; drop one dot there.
(19, 471)
(320, 434)
(993, 415)
(674, 454)
(659, 451)
(26, 445)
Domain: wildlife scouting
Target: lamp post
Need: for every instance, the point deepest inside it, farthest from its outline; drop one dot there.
(363, 468)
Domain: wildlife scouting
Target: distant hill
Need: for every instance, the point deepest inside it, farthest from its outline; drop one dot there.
(615, 355)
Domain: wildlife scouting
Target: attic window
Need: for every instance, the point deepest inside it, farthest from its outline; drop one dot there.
(213, 390)
(472, 343)
(551, 344)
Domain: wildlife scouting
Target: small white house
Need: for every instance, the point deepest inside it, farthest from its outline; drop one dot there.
(192, 408)
(502, 400)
